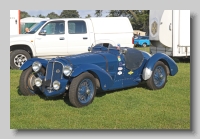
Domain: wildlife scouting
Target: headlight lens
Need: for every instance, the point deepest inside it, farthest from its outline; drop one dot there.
(38, 82)
(56, 85)
(36, 66)
(67, 70)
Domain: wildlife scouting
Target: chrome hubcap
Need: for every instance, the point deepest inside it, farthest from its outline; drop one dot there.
(19, 60)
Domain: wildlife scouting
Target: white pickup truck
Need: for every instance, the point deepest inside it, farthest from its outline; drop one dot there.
(61, 37)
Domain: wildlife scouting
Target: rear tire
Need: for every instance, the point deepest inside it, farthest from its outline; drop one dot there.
(159, 76)
(144, 45)
(26, 83)
(18, 58)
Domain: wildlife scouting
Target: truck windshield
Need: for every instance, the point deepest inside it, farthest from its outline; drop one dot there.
(35, 28)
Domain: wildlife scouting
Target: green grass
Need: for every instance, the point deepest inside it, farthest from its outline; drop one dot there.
(132, 108)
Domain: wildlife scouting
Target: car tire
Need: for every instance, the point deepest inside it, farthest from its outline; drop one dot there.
(18, 58)
(26, 82)
(82, 90)
(144, 45)
(158, 78)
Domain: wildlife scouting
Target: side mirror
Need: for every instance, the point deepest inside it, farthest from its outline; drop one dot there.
(89, 49)
(43, 32)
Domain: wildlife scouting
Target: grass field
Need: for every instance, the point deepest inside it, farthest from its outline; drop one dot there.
(132, 108)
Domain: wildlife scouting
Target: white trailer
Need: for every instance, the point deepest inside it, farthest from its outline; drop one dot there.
(14, 22)
(169, 32)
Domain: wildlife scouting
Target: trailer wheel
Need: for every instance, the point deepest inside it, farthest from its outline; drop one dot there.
(159, 76)
(82, 90)
(18, 58)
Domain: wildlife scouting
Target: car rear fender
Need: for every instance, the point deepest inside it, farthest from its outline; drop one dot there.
(104, 78)
(29, 63)
(168, 61)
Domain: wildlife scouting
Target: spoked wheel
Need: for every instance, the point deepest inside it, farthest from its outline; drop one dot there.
(159, 76)
(82, 90)
(26, 84)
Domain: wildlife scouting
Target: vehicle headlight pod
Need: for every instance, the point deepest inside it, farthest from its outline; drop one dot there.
(36, 66)
(38, 82)
(67, 70)
(56, 85)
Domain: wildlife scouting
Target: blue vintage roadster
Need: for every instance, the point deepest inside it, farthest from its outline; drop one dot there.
(103, 68)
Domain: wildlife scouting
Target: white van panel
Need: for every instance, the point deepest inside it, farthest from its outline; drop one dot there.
(14, 22)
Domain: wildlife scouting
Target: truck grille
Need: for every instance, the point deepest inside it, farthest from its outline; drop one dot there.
(54, 72)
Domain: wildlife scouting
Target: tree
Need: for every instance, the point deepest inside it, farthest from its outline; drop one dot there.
(41, 16)
(98, 13)
(88, 16)
(138, 18)
(52, 15)
(69, 14)
(24, 14)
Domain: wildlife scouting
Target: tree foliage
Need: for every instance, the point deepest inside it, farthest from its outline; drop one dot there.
(24, 14)
(138, 18)
(52, 15)
(69, 14)
(98, 13)
(88, 16)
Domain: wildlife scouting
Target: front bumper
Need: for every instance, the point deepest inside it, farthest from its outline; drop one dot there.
(48, 90)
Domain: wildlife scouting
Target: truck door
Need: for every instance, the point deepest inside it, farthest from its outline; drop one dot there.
(78, 37)
(55, 40)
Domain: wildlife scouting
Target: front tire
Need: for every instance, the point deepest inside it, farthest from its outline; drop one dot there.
(18, 58)
(82, 90)
(26, 83)
(159, 76)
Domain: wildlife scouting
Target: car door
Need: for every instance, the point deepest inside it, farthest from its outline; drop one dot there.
(54, 42)
(78, 37)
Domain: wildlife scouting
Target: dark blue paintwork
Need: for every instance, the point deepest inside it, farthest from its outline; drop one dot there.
(107, 65)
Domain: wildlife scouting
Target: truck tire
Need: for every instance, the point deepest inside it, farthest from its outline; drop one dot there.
(26, 82)
(18, 58)
(158, 78)
(82, 90)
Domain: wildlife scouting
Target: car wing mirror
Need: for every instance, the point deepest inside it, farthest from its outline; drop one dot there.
(89, 49)
(124, 51)
(43, 32)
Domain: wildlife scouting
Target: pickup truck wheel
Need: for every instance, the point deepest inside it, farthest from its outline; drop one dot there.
(159, 76)
(26, 83)
(144, 45)
(82, 90)
(18, 58)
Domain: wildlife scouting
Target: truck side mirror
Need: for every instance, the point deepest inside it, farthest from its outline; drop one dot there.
(43, 32)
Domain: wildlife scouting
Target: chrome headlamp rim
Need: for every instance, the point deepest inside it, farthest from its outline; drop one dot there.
(36, 66)
(67, 70)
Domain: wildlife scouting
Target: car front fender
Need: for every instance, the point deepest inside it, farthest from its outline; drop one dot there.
(29, 63)
(168, 61)
(105, 79)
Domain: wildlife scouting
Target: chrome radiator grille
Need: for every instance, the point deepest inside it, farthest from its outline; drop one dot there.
(54, 72)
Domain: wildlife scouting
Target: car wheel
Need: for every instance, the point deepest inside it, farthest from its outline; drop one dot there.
(82, 90)
(159, 76)
(26, 83)
(144, 45)
(18, 58)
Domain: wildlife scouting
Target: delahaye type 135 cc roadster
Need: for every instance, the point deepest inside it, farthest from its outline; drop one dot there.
(102, 68)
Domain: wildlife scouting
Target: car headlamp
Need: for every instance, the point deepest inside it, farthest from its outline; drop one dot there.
(38, 82)
(56, 85)
(67, 70)
(36, 66)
